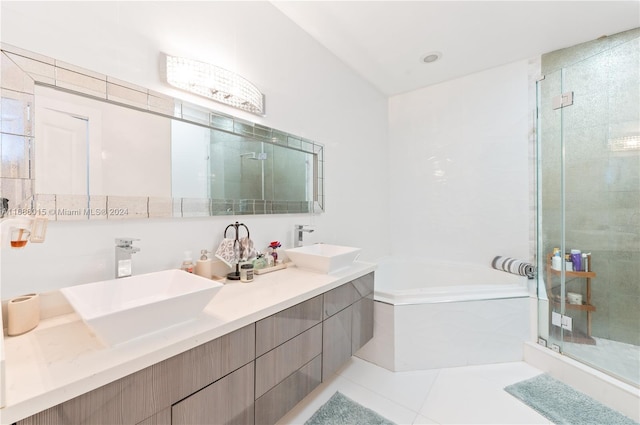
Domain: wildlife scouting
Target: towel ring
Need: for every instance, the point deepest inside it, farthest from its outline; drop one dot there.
(236, 241)
(236, 225)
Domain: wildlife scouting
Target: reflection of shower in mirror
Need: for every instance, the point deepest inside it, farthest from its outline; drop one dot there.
(260, 156)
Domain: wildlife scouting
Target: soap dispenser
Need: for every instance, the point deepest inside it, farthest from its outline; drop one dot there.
(204, 266)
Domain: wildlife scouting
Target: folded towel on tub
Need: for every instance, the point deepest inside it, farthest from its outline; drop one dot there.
(512, 265)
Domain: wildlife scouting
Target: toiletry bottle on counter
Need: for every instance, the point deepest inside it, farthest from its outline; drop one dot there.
(187, 263)
(246, 272)
(204, 266)
(260, 262)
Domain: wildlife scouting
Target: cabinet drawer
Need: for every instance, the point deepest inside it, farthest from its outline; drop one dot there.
(161, 418)
(282, 326)
(282, 361)
(192, 370)
(283, 397)
(364, 285)
(227, 401)
(336, 342)
(362, 323)
(339, 298)
(124, 401)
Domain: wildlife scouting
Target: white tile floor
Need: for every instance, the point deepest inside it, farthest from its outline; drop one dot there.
(463, 395)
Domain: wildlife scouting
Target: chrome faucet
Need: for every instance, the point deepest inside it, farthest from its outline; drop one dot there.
(124, 250)
(298, 231)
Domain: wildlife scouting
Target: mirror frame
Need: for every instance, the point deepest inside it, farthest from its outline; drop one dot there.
(24, 70)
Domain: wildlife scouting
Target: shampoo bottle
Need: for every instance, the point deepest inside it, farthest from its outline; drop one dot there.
(576, 259)
(556, 260)
(204, 265)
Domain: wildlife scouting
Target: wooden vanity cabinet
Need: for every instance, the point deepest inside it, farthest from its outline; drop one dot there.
(348, 323)
(145, 396)
(336, 341)
(289, 371)
(362, 313)
(163, 417)
(324, 332)
(281, 327)
(255, 374)
(226, 401)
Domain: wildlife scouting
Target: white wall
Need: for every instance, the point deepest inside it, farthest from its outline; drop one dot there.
(308, 92)
(458, 155)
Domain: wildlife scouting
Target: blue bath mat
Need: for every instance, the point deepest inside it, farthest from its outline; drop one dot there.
(341, 410)
(563, 405)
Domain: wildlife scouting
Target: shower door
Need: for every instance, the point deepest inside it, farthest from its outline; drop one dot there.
(589, 200)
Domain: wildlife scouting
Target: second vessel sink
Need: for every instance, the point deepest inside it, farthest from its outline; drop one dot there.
(119, 310)
(323, 258)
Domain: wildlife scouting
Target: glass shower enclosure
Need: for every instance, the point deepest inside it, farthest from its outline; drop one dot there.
(588, 201)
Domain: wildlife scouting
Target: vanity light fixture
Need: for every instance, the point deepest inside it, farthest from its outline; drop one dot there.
(215, 83)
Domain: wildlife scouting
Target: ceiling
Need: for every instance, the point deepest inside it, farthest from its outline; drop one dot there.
(385, 41)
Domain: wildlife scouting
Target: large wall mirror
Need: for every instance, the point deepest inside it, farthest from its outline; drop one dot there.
(100, 148)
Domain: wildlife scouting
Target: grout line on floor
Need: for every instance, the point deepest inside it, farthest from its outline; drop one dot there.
(340, 372)
(380, 395)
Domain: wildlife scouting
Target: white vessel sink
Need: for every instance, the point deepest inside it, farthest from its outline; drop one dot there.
(323, 258)
(119, 310)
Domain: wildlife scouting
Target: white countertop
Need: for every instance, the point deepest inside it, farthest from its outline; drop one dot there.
(62, 359)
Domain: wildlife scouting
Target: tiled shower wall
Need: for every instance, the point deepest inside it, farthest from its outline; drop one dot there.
(602, 193)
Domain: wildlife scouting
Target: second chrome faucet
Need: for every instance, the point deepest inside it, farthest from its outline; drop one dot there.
(298, 232)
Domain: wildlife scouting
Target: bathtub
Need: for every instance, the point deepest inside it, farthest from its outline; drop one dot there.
(434, 314)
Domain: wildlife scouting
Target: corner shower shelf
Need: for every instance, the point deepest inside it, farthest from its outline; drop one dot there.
(576, 335)
(574, 274)
(583, 307)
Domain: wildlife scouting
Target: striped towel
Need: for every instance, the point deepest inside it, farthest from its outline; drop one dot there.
(511, 265)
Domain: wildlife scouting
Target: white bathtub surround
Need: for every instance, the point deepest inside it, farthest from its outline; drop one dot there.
(62, 359)
(431, 336)
(460, 333)
(402, 281)
(432, 314)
